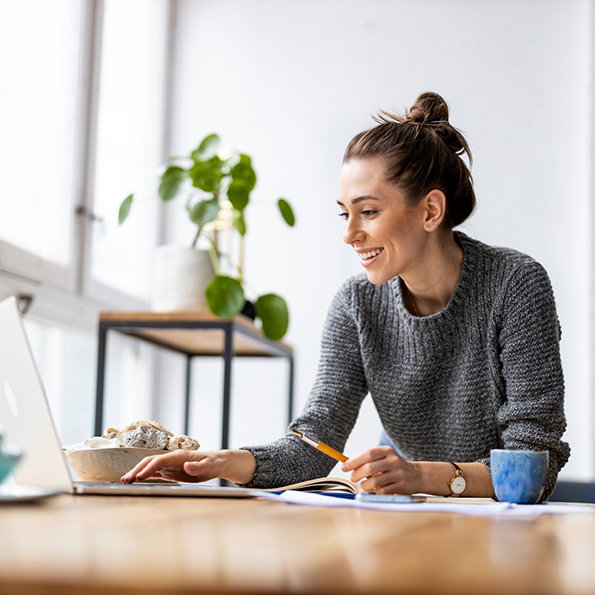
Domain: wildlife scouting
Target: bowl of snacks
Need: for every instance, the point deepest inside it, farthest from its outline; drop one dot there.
(108, 457)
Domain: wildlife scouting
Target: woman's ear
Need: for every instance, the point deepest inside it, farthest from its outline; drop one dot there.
(434, 209)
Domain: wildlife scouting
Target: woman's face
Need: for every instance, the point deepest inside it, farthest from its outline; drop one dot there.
(388, 236)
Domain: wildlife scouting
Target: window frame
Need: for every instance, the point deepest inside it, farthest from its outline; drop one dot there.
(68, 295)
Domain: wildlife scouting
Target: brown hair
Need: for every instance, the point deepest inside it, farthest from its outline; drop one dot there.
(422, 153)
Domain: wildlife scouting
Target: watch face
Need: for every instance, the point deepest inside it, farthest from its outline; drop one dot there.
(458, 485)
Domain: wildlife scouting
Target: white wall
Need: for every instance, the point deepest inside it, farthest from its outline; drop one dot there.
(290, 82)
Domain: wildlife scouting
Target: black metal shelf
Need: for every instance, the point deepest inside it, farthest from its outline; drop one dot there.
(193, 334)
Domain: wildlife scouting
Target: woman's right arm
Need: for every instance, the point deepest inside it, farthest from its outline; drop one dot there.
(332, 407)
(329, 415)
(238, 466)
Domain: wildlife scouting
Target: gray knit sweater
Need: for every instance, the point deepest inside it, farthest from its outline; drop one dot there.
(483, 373)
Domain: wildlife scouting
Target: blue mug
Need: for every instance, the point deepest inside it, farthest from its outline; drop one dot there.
(519, 475)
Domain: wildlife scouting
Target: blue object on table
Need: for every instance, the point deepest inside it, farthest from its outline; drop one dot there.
(519, 475)
(8, 460)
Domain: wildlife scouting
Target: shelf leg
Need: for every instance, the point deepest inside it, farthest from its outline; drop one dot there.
(100, 389)
(227, 358)
(290, 395)
(187, 395)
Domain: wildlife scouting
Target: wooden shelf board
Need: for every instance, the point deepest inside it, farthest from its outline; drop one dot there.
(192, 341)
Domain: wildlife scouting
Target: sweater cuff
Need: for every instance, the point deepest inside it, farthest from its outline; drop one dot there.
(263, 459)
(485, 462)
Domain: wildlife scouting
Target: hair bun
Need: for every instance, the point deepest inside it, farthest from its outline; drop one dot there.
(431, 110)
(428, 108)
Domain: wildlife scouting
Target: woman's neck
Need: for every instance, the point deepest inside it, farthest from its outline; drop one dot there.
(431, 285)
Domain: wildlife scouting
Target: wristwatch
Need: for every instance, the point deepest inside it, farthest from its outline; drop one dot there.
(458, 483)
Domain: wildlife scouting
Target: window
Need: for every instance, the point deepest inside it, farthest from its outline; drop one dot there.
(83, 121)
(129, 142)
(82, 118)
(39, 80)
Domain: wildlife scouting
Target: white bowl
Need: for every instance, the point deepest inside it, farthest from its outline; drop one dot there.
(106, 464)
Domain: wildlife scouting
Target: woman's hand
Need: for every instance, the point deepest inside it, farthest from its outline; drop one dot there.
(388, 473)
(385, 470)
(194, 466)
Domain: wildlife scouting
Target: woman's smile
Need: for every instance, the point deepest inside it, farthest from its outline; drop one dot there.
(368, 256)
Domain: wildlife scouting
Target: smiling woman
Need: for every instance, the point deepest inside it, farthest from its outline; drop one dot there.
(456, 341)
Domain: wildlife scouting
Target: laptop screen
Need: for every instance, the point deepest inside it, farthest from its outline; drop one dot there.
(24, 411)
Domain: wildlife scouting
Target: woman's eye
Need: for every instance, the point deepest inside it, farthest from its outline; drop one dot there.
(344, 216)
(368, 213)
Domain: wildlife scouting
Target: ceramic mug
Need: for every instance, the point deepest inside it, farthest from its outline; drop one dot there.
(519, 475)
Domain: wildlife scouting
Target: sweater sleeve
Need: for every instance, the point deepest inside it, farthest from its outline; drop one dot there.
(331, 410)
(531, 416)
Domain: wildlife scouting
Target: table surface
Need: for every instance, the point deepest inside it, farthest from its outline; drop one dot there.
(93, 544)
(194, 341)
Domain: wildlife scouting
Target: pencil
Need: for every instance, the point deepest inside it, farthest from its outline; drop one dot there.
(325, 448)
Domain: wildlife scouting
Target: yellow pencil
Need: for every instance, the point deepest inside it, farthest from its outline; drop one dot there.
(325, 448)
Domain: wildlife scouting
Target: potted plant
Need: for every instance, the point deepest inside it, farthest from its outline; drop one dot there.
(217, 191)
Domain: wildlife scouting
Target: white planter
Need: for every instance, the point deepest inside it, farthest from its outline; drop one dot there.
(181, 278)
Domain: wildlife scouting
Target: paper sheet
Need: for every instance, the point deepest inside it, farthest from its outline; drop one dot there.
(495, 509)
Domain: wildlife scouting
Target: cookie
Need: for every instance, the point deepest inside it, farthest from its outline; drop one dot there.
(145, 437)
(182, 442)
(151, 423)
(110, 432)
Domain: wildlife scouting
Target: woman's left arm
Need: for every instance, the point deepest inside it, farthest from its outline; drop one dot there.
(532, 414)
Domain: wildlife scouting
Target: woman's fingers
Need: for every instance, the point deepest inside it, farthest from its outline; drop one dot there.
(372, 462)
(371, 454)
(387, 483)
(150, 465)
(382, 470)
(133, 473)
(370, 470)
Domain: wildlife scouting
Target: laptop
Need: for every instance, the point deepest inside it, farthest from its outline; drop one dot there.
(27, 422)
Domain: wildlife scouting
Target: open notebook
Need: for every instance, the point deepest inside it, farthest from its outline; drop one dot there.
(323, 484)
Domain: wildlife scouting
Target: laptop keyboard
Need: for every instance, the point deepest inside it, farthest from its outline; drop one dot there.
(116, 485)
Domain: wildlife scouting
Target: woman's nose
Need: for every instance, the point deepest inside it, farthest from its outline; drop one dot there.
(352, 232)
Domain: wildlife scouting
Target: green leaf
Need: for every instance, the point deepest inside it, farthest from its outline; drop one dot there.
(286, 212)
(225, 296)
(243, 171)
(125, 208)
(205, 211)
(207, 175)
(207, 148)
(274, 314)
(238, 193)
(239, 222)
(171, 180)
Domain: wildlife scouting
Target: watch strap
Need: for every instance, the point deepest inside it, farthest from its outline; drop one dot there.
(457, 469)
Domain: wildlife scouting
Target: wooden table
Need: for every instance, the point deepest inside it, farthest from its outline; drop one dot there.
(192, 333)
(105, 545)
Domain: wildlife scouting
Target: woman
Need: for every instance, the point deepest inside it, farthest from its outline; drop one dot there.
(456, 341)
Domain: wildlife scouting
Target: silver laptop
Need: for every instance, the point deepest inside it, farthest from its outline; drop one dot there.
(27, 423)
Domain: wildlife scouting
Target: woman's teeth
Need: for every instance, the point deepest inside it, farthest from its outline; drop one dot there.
(366, 255)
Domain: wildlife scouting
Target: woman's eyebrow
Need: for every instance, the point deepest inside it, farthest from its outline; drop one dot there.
(358, 199)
